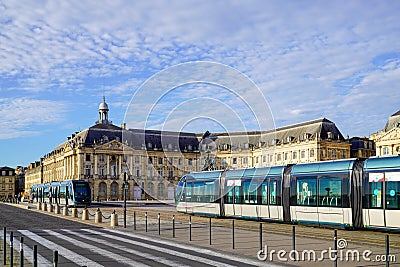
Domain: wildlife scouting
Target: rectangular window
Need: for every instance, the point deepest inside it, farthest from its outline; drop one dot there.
(274, 192)
(245, 160)
(190, 162)
(294, 155)
(303, 154)
(279, 157)
(137, 159)
(101, 158)
(312, 153)
(150, 160)
(234, 160)
(229, 195)
(264, 192)
(160, 160)
(392, 190)
(209, 189)
(171, 172)
(87, 157)
(264, 158)
(306, 191)
(188, 192)
(286, 156)
(250, 192)
(330, 192)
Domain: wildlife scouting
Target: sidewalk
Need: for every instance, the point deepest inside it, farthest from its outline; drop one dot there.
(313, 246)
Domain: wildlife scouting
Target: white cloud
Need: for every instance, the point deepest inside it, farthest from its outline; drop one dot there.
(25, 117)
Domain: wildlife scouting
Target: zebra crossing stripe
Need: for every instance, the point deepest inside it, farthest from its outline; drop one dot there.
(28, 254)
(163, 250)
(162, 260)
(97, 250)
(194, 249)
(68, 254)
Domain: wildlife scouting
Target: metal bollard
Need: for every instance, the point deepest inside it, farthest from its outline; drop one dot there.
(21, 252)
(145, 215)
(35, 261)
(294, 237)
(4, 245)
(134, 220)
(261, 237)
(98, 217)
(210, 231)
(335, 247)
(173, 226)
(39, 206)
(114, 219)
(11, 249)
(44, 206)
(190, 228)
(387, 249)
(50, 207)
(55, 258)
(233, 234)
(159, 224)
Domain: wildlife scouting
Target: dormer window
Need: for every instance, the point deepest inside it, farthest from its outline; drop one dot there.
(290, 139)
(307, 136)
(149, 145)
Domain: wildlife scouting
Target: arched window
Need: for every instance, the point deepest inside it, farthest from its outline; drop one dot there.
(160, 191)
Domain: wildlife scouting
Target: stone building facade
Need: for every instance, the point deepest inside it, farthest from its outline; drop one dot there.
(311, 141)
(153, 161)
(105, 154)
(7, 183)
(387, 140)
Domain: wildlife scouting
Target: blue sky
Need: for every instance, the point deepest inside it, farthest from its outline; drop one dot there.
(309, 59)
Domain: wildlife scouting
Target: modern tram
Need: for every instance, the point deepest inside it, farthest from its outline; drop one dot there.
(73, 193)
(349, 193)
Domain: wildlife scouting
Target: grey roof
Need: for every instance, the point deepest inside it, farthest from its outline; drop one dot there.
(393, 121)
(298, 132)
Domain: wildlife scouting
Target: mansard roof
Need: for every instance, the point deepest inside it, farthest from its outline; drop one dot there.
(393, 121)
(315, 129)
(135, 138)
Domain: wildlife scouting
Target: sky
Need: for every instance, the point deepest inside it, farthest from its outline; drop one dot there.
(193, 66)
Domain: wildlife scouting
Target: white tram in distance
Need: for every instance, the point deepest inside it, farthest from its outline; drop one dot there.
(72, 193)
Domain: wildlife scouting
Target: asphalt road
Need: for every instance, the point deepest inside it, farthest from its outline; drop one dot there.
(79, 244)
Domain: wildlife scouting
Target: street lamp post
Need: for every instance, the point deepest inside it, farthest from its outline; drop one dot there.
(125, 188)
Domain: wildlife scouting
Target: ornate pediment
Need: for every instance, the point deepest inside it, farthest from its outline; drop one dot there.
(393, 134)
(114, 145)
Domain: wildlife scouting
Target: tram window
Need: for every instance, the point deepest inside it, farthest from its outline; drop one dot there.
(250, 192)
(330, 192)
(209, 192)
(392, 195)
(274, 192)
(264, 192)
(306, 191)
(237, 198)
(189, 187)
(198, 189)
(229, 196)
